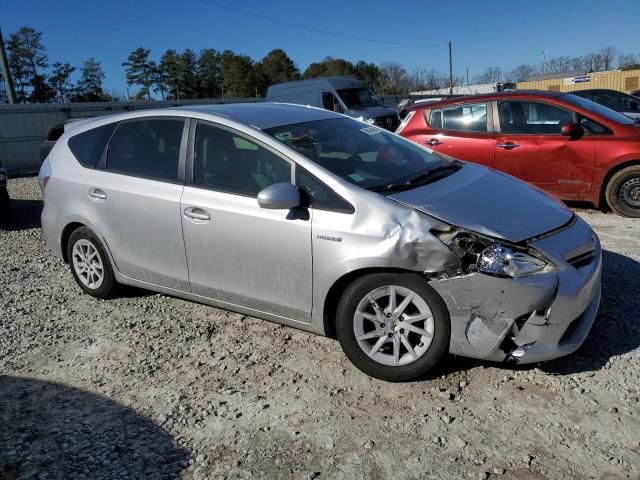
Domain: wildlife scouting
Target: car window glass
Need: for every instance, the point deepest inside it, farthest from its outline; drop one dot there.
(231, 163)
(146, 148)
(469, 118)
(327, 101)
(532, 118)
(363, 155)
(87, 146)
(592, 126)
(320, 195)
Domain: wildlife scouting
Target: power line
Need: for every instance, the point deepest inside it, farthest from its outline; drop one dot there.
(311, 29)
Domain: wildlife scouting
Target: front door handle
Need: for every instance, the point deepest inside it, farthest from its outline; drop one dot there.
(508, 145)
(97, 194)
(433, 142)
(197, 213)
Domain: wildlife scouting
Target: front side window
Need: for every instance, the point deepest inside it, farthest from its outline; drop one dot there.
(327, 100)
(468, 118)
(229, 162)
(532, 118)
(146, 148)
(320, 196)
(593, 127)
(364, 155)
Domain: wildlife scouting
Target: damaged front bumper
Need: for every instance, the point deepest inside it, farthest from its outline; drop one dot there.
(533, 318)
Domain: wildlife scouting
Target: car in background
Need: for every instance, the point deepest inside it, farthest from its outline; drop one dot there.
(407, 104)
(636, 93)
(5, 201)
(318, 221)
(52, 136)
(619, 101)
(567, 145)
(345, 95)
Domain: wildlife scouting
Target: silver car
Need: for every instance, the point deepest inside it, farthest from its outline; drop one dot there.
(315, 220)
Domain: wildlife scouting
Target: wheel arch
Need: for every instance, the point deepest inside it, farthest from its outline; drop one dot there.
(332, 299)
(607, 178)
(66, 235)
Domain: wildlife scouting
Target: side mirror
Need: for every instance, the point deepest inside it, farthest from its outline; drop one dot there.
(337, 107)
(572, 130)
(279, 196)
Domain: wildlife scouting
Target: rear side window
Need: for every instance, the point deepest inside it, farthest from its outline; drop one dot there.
(320, 196)
(468, 118)
(88, 146)
(147, 148)
(532, 118)
(228, 162)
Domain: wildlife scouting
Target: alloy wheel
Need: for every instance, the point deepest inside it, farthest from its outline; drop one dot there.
(393, 325)
(87, 264)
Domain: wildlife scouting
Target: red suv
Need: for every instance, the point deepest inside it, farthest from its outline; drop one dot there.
(569, 146)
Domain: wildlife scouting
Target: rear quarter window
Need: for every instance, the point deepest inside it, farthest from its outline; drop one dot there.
(88, 146)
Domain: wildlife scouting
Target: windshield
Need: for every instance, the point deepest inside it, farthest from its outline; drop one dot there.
(364, 155)
(357, 98)
(597, 109)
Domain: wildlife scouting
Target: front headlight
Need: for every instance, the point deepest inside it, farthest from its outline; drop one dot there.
(500, 260)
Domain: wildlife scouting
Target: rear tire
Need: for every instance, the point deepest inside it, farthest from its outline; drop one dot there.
(623, 192)
(393, 326)
(90, 265)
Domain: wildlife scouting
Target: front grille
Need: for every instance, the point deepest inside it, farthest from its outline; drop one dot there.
(390, 122)
(582, 260)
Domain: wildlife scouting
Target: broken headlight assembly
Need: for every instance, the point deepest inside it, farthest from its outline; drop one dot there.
(498, 259)
(482, 254)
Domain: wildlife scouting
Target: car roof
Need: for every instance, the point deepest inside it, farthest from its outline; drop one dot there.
(264, 115)
(486, 97)
(260, 115)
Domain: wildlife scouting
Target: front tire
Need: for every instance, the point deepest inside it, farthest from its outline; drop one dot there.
(393, 326)
(5, 206)
(623, 192)
(90, 264)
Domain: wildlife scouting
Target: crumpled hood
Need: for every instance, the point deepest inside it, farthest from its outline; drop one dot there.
(488, 202)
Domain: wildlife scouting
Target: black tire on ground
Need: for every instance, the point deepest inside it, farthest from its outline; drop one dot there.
(623, 192)
(109, 285)
(357, 291)
(5, 206)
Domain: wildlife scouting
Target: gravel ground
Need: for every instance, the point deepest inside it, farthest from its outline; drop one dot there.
(149, 386)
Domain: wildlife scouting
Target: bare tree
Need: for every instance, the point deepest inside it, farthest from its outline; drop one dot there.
(521, 73)
(626, 60)
(608, 56)
(393, 78)
(490, 75)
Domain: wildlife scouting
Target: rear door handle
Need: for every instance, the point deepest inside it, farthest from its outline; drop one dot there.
(97, 194)
(508, 145)
(433, 142)
(197, 213)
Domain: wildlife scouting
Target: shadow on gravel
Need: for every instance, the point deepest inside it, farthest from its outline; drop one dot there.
(24, 215)
(616, 330)
(53, 429)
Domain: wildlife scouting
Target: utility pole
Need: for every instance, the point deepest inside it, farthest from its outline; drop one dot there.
(450, 71)
(467, 77)
(6, 73)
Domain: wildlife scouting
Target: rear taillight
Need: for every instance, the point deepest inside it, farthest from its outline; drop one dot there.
(44, 176)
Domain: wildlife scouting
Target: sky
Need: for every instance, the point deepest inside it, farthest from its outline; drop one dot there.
(483, 33)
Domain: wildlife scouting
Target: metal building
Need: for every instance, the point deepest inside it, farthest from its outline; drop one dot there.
(621, 80)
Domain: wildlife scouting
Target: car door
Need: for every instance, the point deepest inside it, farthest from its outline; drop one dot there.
(133, 198)
(461, 131)
(237, 252)
(530, 146)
